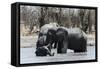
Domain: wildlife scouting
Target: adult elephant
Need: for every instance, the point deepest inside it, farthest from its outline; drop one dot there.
(45, 40)
(73, 38)
(48, 32)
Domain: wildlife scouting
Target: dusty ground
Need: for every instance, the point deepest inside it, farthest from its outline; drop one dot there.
(28, 47)
(28, 56)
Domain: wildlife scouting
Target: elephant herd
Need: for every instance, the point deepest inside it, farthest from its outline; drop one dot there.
(61, 38)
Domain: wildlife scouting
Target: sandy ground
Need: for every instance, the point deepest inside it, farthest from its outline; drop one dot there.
(28, 47)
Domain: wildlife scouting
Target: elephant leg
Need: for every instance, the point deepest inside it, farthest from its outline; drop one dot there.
(62, 46)
(59, 48)
(65, 46)
(82, 45)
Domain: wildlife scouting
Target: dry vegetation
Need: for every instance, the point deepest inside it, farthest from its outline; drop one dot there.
(33, 17)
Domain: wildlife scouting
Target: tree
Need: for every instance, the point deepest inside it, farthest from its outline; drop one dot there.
(44, 16)
(83, 14)
(29, 15)
(91, 20)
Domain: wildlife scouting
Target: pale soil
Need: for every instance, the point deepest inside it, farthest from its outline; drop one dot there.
(27, 55)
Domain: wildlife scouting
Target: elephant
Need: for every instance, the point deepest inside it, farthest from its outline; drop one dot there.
(73, 38)
(46, 39)
(48, 31)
